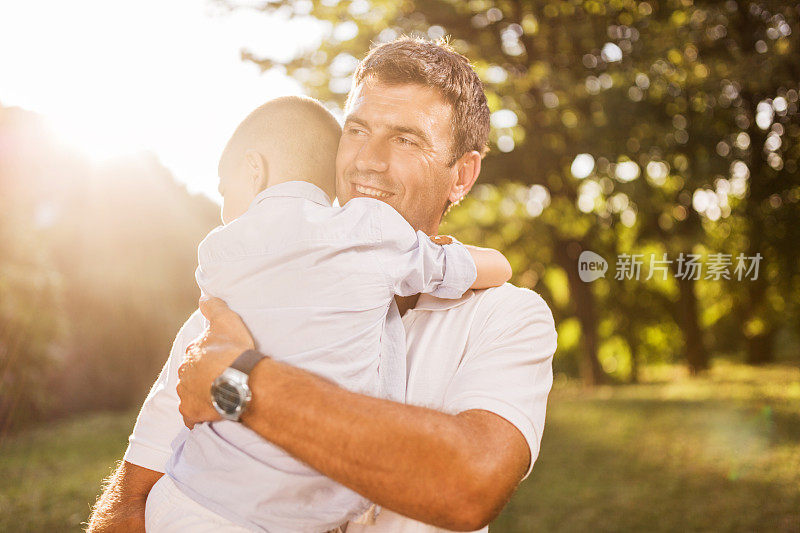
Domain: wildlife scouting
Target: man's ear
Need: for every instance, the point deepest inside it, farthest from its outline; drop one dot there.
(257, 170)
(468, 167)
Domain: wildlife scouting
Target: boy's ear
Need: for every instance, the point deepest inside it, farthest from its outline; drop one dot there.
(257, 170)
(468, 167)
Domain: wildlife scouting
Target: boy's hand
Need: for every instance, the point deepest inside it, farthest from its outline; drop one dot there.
(442, 239)
(207, 357)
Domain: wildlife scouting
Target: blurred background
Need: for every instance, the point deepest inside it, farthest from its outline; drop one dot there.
(659, 134)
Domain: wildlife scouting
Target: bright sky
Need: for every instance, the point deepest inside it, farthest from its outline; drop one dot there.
(116, 77)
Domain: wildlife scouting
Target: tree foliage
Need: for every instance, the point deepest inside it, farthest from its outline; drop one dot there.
(96, 273)
(620, 127)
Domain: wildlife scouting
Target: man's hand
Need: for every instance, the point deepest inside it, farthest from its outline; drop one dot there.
(207, 357)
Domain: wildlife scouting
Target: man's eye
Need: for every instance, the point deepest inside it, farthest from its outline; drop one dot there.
(405, 141)
(355, 131)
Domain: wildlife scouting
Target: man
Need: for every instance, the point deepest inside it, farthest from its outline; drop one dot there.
(479, 368)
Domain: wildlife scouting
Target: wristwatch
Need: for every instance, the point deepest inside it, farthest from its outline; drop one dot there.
(230, 392)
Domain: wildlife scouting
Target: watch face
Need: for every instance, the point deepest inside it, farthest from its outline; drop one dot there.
(230, 394)
(226, 396)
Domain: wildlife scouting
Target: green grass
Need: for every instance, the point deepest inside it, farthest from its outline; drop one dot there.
(50, 476)
(716, 453)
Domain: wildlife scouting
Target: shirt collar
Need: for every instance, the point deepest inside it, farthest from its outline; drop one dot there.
(426, 302)
(294, 189)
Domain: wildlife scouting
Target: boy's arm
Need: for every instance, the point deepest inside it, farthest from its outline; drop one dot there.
(413, 263)
(492, 266)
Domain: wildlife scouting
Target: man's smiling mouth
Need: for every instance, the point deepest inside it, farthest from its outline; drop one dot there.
(369, 191)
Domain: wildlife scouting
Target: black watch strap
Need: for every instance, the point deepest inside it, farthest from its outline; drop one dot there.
(247, 361)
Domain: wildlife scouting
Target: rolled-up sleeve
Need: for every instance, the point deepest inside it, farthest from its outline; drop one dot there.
(414, 264)
(159, 420)
(507, 368)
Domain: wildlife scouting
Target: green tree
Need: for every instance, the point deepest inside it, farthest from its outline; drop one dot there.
(96, 273)
(626, 119)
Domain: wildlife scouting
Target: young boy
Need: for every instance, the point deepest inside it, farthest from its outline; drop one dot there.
(315, 284)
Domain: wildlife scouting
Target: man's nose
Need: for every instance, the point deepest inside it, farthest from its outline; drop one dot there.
(373, 156)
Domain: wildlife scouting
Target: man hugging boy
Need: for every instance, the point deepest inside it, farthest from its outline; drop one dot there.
(315, 285)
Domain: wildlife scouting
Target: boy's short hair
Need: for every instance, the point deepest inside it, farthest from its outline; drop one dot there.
(436, 65)
(298, 135)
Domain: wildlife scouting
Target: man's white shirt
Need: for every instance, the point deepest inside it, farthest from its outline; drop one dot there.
(491, 350)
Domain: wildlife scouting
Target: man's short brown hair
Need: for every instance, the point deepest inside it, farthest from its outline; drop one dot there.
(435, 65)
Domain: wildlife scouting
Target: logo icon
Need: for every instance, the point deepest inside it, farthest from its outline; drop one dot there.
(591, 266)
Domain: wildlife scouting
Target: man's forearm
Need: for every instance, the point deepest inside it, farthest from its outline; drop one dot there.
(121, 506)
(418, 462)
(107, 516)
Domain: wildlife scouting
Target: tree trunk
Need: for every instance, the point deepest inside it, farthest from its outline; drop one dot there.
(695, 351)
(585, 309)
(760, 348)
(629, 337)
(759, 344)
